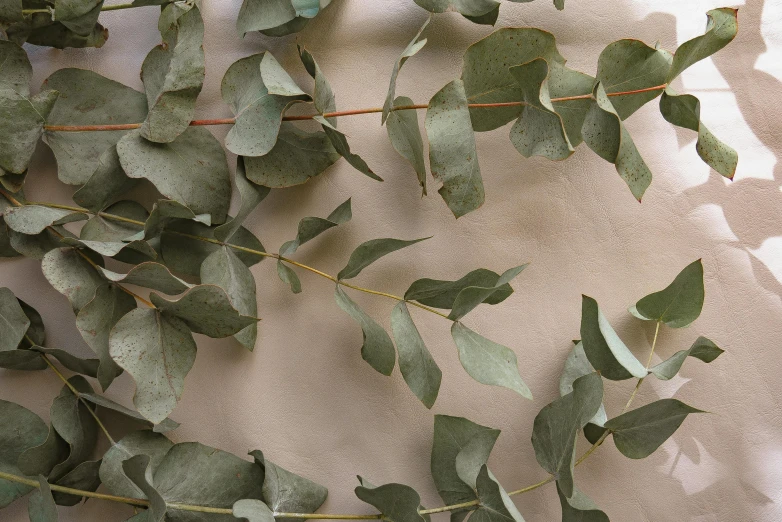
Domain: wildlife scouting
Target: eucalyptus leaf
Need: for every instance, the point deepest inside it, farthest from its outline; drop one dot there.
(77, 427)
(452, 154)
(470, 297)
(288, 276)
(191, 169)
(577, 365)
(405, 136)
(149, 275)
(252, 511)
(604, 349)
(415, 45)
(605, 134)
(79, 16)
(276, 79)
(579, 508)
(678, 304)
(24, 118)
(396, 502)
(17, 72)
(137, 469)
(40, 505)
(721, 29)
(99, 400)
(33, 219)
(555, 428)
(685, 111)
(370, 251)
(72, 273)
(488, 362)
(41, 459)
(88, 367)
(495, 504)
(251, 195)
(340, 143)
(311, 227)
(418, 368)
(13, 319)
(702, 349)
(324, 97)
(83, 477)
(224, 269)
(638, 433)
(87, 98)
(260, 15)
(286, 492)
(118, 231)
(377, 348)
(20, 430)
(205, 309)
(474, 10)
(153, 445)
(107, 183)
(442, 294)
(166, 211)
(157, 350)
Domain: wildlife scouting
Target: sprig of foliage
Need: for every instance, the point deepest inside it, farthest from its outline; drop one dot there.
(189, 481)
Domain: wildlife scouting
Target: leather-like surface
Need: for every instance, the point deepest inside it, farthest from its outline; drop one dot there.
(308, 400)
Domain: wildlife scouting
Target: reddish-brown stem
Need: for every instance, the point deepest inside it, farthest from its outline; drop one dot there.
(231, 121)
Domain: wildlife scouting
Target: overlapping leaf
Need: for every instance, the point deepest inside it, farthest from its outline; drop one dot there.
(702, 349)
(415, 45)
(396, 502)
(20, 430)
(604, 349)
(377, 348)
(418, 368)
(370, 251)
(678, 304)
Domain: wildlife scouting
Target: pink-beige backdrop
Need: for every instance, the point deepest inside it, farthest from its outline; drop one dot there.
(308, 400)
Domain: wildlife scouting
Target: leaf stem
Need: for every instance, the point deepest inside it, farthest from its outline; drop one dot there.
(338, 114)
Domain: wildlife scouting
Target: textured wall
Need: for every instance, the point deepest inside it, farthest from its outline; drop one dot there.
(309, 401)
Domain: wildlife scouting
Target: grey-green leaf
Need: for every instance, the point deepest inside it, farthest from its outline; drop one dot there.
(205, 309)
(106, 184)
(555, 428)
(15, 69)
(377, 348)
(415, 45)
(173, 73)
(224, 269)
(157, 350)
(477, 11)
(20, 430)
(396, 502)
(340, 143)
(685, 111)
(286, 492)
(33, 219)
(251, 195)
(638, 433)
(150, 275)
(192, 169)
(311, 227)
(405, 136)
(453, 157)
(252, 511)
(324, 96)
(276, 79)
(24, 118)
(539, 131)
(577, 365)
(288, 276)
(103, 402)
(442, 294)
(69, 272)
(137, 470)
(604, 133)
(579, 508)
(144, 442)
(87, 98)
(419, 369)
(604, 349)
(13, 320)
(702, 349)
(488, 362)
(721, 28)
(260, 15)
(495, 504)
(679, 304)
(40, 505)
(75, 424)
(370, 251)
(471, 296)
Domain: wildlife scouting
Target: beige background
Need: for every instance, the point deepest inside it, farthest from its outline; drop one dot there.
(309, 401)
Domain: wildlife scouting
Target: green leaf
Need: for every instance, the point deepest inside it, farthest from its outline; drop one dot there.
(258, 112)
(41, 459)
(83, 477)
(370, 251)
(150, 275)
(702, 349)
(13, 320)
(251, 195)
(451, 435)
(312, 227)
(415, 45)
(260, 15)
(36, 247)
(277, 80)
(173, 73)
(184, 254)
(157, 350)
(15, 68)
(631, 65)
(288, 276)
(103, 402)
(95, 321)
(396, 502)
(297, 157)
(252, 511)
(286, 492)
(495, 504)
(137, 470)
(685, 111)
(605, 134)
(205, 309)
(224, 269)
(192, 169)
(477, 11)
(40, 505)
(638, 433)
(442, 294)
(87, 98)
(487, 77)
(539, 131)
(24, 118)
(470, 297)
(33, 219)
(377, 348)
(21, 429)
(75, 424)
(405, 136)
(579, 508)
(679, 304)
(119, 237)
(324, 96)
(556, 426)
(340, 143)
(153, 445)
(577, 365)
(107, 183)
(488, 362)
(55, 34)
(563, 84)
(88, 367)
(419, 369)
(452, 154)
(721, 28)
(604, 349)
(166, 211)
(71, 274)
(80, 16)
(192, 473)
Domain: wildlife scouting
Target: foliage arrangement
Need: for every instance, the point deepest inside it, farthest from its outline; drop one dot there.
(194, 257)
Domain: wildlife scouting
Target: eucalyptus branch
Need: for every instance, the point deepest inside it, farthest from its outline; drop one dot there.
(339, 114)
(114, 7)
